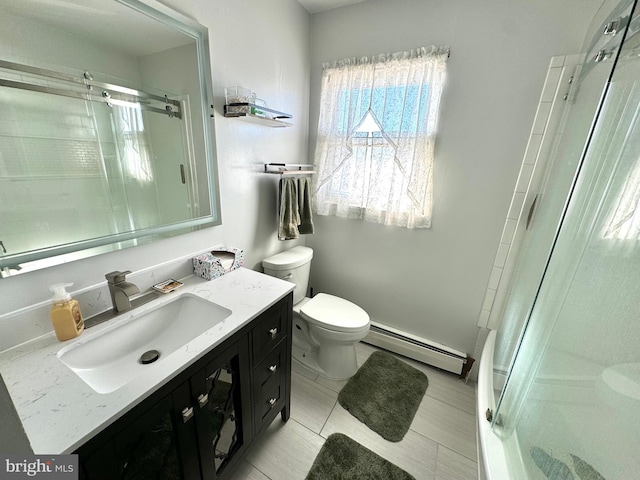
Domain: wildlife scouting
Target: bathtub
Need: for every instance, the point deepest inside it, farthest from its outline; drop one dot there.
(492, 458)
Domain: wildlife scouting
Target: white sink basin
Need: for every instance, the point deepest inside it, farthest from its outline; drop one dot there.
(113, 358)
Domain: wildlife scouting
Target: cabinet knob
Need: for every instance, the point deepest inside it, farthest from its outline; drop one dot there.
(187, 414)
(273, 368)
(272, 401)
(203, 399)
(273, 332)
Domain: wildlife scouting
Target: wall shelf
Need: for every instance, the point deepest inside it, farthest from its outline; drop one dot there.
(296, 169)
(233, 110)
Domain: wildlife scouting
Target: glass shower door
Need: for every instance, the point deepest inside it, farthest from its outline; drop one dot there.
(536, 232)
(571, 406)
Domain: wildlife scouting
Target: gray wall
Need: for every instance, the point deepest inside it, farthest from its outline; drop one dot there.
(431, 282)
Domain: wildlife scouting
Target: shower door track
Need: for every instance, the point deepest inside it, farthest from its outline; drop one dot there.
(111, 94)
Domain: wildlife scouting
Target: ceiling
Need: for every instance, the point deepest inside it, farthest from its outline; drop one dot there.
(108, 23)
(315, 6)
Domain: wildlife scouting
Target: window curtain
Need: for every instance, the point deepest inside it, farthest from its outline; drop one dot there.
(623, 148)
(132, 143)
(376, 137)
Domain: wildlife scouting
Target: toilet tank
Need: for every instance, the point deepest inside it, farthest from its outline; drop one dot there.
(292, 265)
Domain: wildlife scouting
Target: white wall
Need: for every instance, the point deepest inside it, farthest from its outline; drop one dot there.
(260, 45)
(431, 282)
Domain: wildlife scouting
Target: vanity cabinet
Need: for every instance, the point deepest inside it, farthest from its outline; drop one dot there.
(199, 424)
(271, 355)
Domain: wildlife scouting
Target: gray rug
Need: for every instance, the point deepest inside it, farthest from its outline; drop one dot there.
(342, 458)
(385, 394)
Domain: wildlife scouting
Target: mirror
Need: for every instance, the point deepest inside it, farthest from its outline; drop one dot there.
(106, 135)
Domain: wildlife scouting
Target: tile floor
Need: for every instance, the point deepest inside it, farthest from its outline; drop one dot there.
(440, 445)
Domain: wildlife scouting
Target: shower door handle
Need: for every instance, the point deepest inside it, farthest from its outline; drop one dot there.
(183, 175)
(531, 210)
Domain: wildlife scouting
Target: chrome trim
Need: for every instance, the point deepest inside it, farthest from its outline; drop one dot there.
(110, 93)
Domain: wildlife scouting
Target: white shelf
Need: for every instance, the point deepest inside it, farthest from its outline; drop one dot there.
(277, 119)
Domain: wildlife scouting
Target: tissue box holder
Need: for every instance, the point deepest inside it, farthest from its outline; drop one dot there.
(209, 266)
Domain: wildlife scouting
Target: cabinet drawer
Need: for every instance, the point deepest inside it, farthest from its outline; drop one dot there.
(268, 333)
(272, 366)
(269, 401)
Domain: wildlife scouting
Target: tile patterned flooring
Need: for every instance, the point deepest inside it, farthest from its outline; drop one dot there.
(440, 445)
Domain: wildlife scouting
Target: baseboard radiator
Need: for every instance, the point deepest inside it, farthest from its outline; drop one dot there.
(419, 349)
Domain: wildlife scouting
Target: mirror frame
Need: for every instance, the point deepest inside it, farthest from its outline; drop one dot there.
(12, 264)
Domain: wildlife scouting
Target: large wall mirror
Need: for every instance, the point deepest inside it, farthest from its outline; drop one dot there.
(106, 139)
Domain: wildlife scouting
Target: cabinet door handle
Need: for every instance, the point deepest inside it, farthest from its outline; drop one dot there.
(187, 414)
(203, 399)
(273, 368)
(273, 332)
(272, 401)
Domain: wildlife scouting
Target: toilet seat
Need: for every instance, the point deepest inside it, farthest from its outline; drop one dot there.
(334, 313)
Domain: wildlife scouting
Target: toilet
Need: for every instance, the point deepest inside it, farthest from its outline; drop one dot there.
(326, 328)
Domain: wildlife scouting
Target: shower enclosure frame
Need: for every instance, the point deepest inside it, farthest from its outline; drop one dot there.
(494, 430)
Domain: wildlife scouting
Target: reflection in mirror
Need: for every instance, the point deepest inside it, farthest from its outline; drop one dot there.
(105, 137)
(222, 394)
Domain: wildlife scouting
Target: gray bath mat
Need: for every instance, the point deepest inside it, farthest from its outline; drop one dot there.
(342, 458)
(385, 394)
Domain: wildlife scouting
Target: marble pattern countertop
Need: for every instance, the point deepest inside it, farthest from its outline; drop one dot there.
(60, 412)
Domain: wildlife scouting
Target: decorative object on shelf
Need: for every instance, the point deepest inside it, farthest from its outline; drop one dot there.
(242, 103)
(237, 100)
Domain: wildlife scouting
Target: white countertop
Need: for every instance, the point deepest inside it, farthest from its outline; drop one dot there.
(60, 412)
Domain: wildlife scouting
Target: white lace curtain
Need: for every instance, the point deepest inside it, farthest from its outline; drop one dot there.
(376, 137)
(132, 143)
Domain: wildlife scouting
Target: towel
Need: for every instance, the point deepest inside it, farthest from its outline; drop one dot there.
(289, 216)
(305, 225)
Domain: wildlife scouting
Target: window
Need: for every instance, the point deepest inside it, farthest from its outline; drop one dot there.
(376, 137)
(132, 143)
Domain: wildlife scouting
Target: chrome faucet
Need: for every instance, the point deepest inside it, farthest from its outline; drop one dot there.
(121, 291)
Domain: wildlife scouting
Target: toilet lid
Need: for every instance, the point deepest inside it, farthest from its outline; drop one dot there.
(334, 313)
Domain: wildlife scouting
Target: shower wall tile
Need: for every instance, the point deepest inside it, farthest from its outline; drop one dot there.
(508, 231)
(533, 147)
(542, 116)
(483, 319)
(501, 256)
(551, 84)
(494, 279)
(516, 206)
(558, 61)
(489, 297)
(525, 177)
(555, 75)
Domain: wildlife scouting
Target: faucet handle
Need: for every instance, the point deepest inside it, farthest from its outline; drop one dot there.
(117, 277)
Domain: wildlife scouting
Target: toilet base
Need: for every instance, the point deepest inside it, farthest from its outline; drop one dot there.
(310, 358)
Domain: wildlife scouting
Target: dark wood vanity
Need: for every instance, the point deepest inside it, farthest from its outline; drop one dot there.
(199, 424)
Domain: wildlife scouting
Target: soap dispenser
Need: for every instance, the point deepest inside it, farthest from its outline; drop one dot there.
(65, 313)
